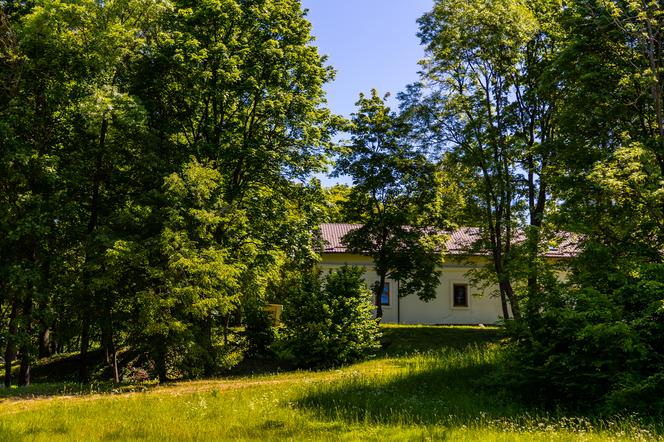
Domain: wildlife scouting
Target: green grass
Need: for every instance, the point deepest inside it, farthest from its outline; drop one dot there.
(430, 384)
(400, 340)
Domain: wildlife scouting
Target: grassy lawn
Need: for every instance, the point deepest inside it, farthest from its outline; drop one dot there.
(429, 383)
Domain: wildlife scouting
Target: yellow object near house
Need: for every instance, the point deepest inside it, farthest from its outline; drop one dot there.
(275, 312)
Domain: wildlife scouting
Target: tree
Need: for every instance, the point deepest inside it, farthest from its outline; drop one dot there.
(394, 189)
(328, 321)
(490, 110)
(103, 101)
(593, 337)
(613, 159)
(201, 275)
(239, 91)
(336, 199)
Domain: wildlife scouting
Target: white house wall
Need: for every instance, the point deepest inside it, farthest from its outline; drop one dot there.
(483, 308)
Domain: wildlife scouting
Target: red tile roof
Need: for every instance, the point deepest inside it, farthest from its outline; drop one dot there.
(459, 242)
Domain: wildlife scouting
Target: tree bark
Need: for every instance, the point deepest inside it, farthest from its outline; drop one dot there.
(92, 225)
(506, 287)
(24, 370)
(108, 343)
(160, 362)
(45, 342)
(206, 328)
(26, 353)
(503, 304)
(226, 325)
(116, 370)
(83, 375)
(10, 350)
(107, 339)
(378, 295)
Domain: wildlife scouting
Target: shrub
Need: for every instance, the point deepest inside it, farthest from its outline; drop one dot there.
(329, 321)
(588, 348)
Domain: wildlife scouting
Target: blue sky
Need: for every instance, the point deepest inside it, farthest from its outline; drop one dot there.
(371, 43)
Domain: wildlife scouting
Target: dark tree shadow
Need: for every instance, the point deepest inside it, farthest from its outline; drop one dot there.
(449, 396)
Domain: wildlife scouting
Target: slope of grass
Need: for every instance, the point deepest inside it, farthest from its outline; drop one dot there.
(435, 390)
(400, 340)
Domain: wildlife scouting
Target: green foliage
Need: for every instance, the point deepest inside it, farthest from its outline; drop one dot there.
(336, 205)
(154, 159)
(394, 195)
(593, 348)
(201, 278)
(591, 343)
(329, 322)
(487, 102)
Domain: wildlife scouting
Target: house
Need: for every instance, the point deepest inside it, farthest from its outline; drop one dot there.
(457, 300)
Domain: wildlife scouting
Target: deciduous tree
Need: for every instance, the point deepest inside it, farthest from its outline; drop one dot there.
(394, 190)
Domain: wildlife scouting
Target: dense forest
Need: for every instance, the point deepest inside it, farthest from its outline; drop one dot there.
(156, 163)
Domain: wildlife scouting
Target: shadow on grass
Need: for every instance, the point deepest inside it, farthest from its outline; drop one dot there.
(456, 389)
(52, 389)
(57, 376)
(448, 388)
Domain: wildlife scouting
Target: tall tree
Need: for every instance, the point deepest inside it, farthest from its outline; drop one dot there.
(37, 94)
(239, 91)
(394, 189)
(613, 124)
(490, 109)
(593, 338)
(101, 103)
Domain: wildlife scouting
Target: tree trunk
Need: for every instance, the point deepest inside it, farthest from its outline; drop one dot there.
(503, 303)
(112, 357)
(26, 353)
(378, 294)
(83, 375)
(108, 344)
(107, 339)
(92, 225)
(24, 370)
(116, 371)
(10, 350)
(506, 287)
(54, 342)
(45, 342)
(226, 325)
(497, 254)
(536, 206)
(206, 328)
(160, 362)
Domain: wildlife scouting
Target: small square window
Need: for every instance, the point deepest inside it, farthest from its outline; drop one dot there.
(460, 295)
(385, 296)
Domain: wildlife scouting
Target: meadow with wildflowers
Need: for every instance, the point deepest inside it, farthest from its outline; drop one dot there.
(429, 383)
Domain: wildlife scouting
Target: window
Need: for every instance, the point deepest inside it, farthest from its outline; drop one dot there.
(385, 296)
(459, 295)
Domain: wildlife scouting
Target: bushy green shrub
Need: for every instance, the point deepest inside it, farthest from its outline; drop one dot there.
(196, 361)
(329, 321)
(587, 348)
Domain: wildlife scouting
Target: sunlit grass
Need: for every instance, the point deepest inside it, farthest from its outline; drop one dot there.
(425, 395)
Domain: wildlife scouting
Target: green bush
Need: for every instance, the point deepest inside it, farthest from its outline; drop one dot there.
(587, 348)
(329, 321)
